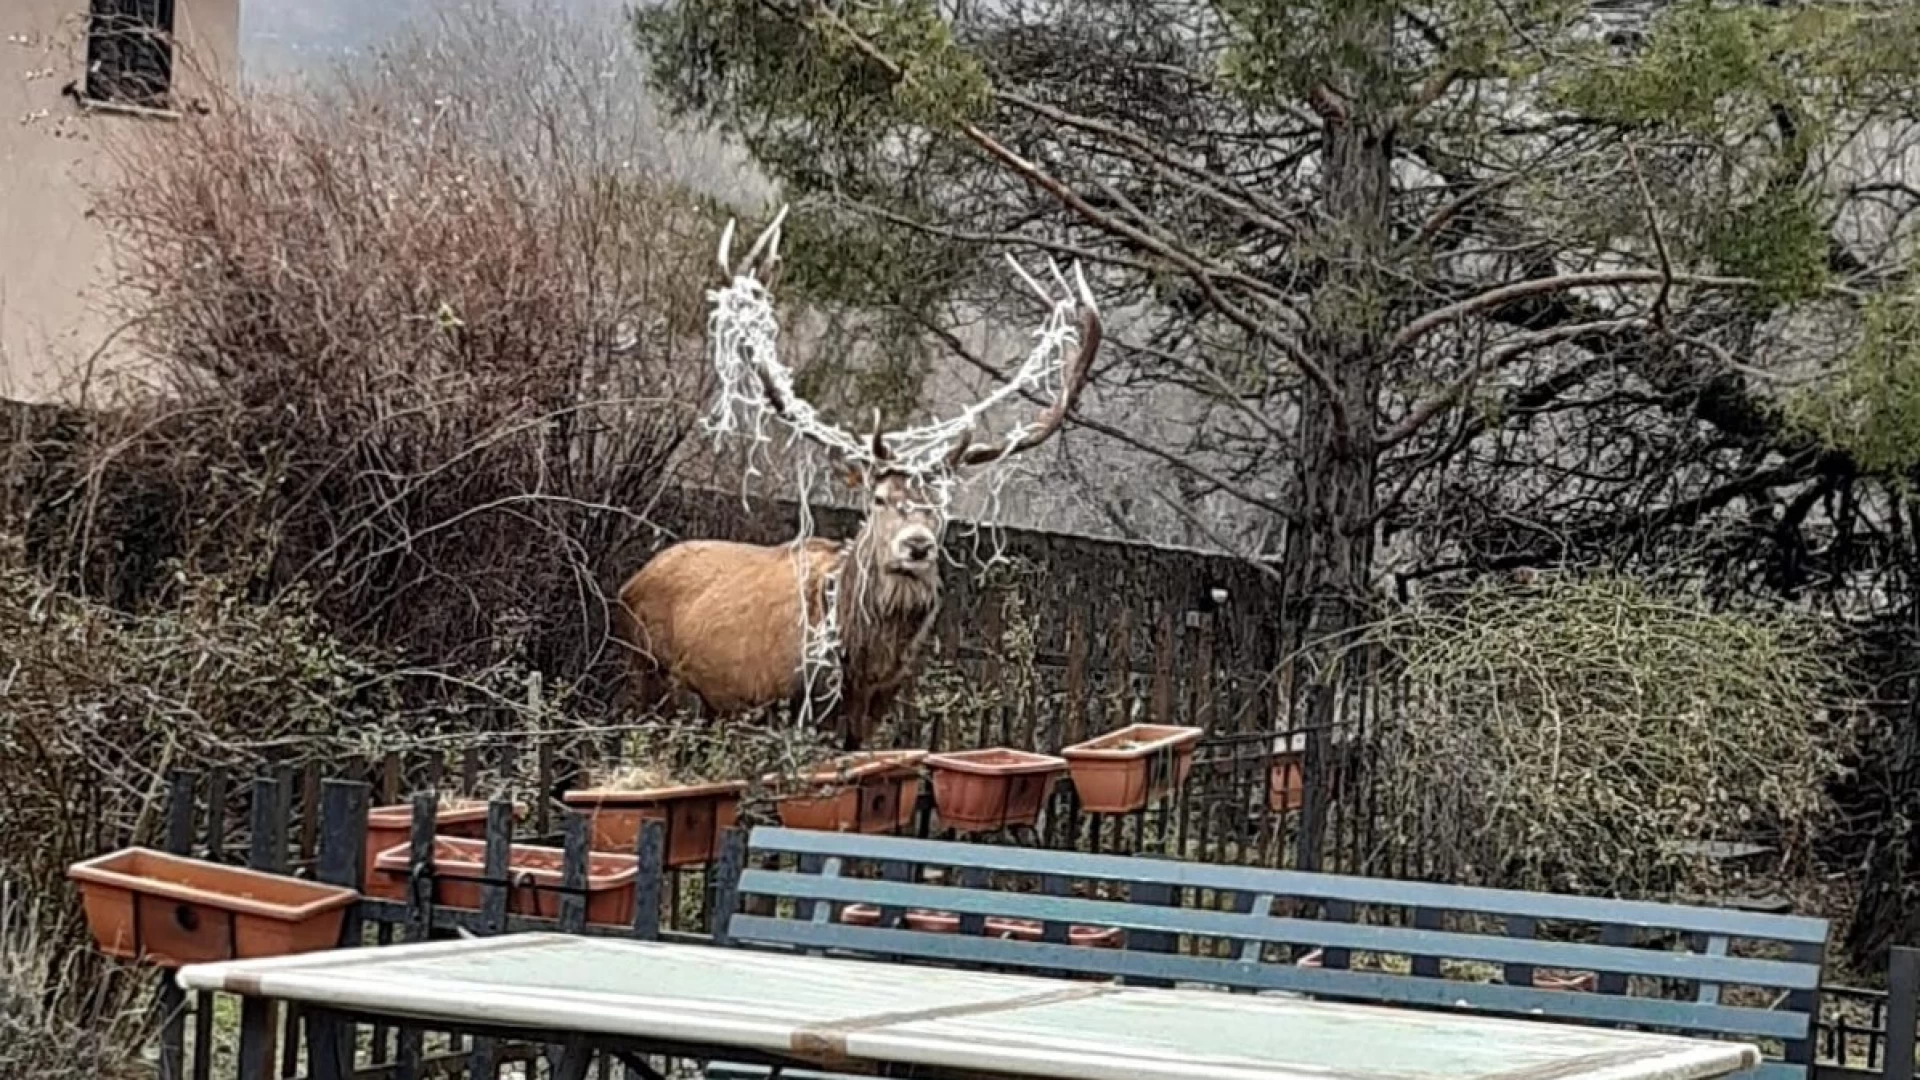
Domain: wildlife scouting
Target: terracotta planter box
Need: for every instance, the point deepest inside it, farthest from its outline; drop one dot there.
(1585, 982)
(695, 815)
(927, 922)
(1125, 770)
(860, 915)
(1093, 937)
(985, 790)
(930, 922)
(874, 793)
(1286, 782)
(945, 922)
(171, 910)
(535, 874)
(393, 824)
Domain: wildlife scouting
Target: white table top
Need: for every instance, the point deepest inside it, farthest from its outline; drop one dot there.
(828, 1010)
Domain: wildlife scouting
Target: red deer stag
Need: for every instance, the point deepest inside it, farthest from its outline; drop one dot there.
(722, 619)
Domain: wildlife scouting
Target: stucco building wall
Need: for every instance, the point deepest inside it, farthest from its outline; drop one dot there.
(55, 261)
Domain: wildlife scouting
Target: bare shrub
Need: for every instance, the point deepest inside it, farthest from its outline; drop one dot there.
(97, 705)
(1573, 735)
(431, 379)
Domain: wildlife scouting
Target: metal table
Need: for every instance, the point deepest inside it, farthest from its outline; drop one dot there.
(635, 997)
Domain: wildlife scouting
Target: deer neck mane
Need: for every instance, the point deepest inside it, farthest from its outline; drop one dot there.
(884, 617)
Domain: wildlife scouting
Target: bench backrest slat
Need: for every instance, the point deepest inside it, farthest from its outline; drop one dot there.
(1400, 941)
(1639, 914)
(1252, 914)
(1355, 985)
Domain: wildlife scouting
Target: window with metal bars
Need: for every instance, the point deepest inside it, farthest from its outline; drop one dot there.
(130, 52)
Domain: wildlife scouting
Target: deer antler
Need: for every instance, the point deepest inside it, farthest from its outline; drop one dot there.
(767, 243)
(761, 265)
(1073, 379)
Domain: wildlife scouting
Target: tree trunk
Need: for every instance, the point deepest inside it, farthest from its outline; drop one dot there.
(1885, 913)
(1328, 559)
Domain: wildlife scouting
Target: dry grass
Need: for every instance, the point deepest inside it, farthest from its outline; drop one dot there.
(63, 1015)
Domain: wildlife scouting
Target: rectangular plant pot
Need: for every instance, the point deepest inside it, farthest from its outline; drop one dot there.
(171, 910)
(695, 814)
(1286, 782)
(986, 790)
(871, 793)
(534, 876)
(946, 922)
(1124, 770)
(393, 824)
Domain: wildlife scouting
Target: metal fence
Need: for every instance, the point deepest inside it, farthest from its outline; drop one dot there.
(310, 825)
(1235, 807)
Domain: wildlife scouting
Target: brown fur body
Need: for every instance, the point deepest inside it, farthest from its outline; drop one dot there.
(722, 620)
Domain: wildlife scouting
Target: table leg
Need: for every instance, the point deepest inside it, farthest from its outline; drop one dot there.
(329, 1045)
(575, 1055)
(636, 1067)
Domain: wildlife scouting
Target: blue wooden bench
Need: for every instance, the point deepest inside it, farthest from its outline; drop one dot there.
(1702, 972)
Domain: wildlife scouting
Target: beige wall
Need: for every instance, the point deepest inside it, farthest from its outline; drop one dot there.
(55, 263)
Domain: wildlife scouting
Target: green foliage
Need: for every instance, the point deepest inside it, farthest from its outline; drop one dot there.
(872, 283)
(1568, 734)
(1869, 405)
(1282, 48)
(1779, 239)
(1704, 65)
(762, 69)
(821, 113)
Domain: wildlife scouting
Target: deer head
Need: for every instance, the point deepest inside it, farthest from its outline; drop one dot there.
(905, 522)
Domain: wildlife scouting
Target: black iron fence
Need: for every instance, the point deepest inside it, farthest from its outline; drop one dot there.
(1292, 799)
(309, 825)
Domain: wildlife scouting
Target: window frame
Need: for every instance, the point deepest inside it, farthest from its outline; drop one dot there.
(130, 54)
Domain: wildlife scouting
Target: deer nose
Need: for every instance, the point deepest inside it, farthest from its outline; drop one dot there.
(918, 547)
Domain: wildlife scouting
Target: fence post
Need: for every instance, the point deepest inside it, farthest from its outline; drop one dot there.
(652, 853)
(172, 1001)
(266, 850)
(725, 894)
(1903, 999)
(343, 832)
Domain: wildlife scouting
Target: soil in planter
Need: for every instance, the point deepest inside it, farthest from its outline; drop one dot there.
(1125, 770)
(696, 814)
